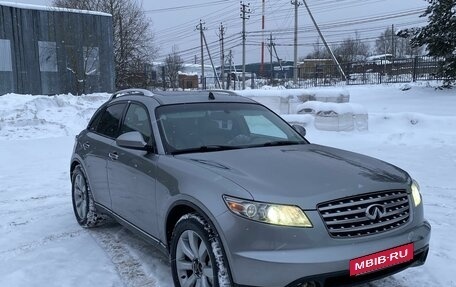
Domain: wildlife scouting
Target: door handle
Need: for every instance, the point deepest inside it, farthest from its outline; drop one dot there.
(86, 145)
(113, 156)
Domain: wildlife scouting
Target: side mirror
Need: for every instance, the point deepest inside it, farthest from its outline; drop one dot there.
(300, 129)
(132, 140)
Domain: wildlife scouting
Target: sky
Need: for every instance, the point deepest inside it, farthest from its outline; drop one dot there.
(174, 24)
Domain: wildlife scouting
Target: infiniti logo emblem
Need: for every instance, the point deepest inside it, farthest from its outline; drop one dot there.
(375, 211)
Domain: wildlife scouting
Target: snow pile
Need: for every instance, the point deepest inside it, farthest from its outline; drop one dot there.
(336, 117)
(306, 120)
(26, 116)
(314, 107)
(330, 108)
(283, 101)
(329, 95)
(336, 96)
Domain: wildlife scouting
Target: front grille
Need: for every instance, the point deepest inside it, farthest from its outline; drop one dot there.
(347, 217)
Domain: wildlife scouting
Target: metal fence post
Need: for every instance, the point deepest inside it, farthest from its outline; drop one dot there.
(252, 81)
(415, 64)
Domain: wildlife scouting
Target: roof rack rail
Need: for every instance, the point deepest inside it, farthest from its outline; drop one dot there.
(142, 92)
(231, 93)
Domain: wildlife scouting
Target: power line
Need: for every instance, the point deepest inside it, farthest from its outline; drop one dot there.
(333, 29)
(185, 7)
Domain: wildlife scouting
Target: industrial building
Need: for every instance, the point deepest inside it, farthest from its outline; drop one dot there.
(47, 50)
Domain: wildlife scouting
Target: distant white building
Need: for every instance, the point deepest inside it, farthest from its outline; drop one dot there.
(380, 59)
(193, 69)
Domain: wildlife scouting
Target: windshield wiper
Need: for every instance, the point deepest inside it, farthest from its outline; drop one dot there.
(206, 148)
(278, 143)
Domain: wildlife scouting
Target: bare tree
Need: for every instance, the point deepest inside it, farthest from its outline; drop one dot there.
(319, 52)
(383, 44)
(173, 64)
(351, 50)
(133, 38)
(400, 47)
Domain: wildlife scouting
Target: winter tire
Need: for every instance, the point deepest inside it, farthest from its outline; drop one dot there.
(197, 256)
(83, 204)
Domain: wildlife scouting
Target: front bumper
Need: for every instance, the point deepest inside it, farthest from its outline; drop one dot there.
(272, 256)
(343, 278)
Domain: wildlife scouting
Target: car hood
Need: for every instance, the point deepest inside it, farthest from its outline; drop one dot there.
(302, 175)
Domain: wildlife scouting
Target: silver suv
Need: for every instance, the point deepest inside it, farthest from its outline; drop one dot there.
(238, 197)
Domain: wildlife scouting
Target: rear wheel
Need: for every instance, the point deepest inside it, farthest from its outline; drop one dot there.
(197, 256)
(83, 204)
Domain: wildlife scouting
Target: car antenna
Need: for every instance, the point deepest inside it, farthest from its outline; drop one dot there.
(211, 96)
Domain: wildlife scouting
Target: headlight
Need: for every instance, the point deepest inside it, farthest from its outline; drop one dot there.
(285, 215)
(416, 193)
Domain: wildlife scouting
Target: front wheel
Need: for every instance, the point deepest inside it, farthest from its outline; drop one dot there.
(197, 257)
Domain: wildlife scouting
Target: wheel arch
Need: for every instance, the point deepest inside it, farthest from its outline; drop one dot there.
(74, 164)
(183, 207)
(75, 161)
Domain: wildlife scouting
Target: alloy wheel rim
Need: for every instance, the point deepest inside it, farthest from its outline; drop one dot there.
(193, 263)
(80, 196)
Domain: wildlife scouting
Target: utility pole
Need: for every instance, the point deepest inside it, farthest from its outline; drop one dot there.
(271, 44)
(245, 10)
(200, 28)
(212, 63)
(393, 49)
(228, 81)
(341, 71)
(262, 37)
(164, 78)
(222, 55)
(296, 4)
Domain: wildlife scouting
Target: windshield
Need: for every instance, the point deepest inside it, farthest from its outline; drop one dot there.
(205, 127)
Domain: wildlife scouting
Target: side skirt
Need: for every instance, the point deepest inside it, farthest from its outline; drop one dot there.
(136, 230)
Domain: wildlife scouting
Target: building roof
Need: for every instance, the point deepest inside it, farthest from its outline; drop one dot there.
(50, 9)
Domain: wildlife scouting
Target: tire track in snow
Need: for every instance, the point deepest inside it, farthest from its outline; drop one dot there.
(35, 198)
(5, 254)
(12, 225)
(13, 210)
(129, 268)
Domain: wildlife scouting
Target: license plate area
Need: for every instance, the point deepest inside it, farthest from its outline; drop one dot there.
(381, 260)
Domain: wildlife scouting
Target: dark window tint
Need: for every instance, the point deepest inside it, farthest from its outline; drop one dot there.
(109, 121)
(95, 120)
(240, 125)
(137, 119)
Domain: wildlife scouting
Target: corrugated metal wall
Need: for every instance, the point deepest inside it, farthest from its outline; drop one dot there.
(53, 52)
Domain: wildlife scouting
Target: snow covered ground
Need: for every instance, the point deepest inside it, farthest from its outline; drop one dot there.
(42, 245)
